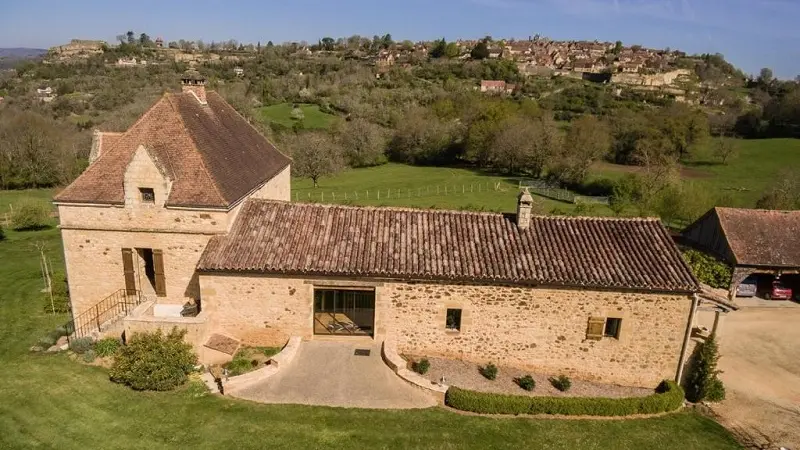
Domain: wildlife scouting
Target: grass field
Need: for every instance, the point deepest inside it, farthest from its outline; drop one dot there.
(282, 114)
(49, 401)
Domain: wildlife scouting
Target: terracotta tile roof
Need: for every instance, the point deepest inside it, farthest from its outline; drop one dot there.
(213, 156)
(762, 237)
(308, 239)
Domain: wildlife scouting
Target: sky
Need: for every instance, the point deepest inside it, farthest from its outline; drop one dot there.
(750, 33)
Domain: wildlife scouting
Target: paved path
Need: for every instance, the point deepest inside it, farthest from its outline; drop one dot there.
(328, 373)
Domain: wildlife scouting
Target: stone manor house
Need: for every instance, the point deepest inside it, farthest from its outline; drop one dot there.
(185, 220)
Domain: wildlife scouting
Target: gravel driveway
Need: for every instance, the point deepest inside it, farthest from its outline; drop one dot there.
(760, 360)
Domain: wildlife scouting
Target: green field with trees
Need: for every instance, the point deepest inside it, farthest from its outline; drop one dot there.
(300, 116)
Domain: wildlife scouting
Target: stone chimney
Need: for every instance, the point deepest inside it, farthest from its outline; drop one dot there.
(195, 83)
(97, 138)
(524, 206)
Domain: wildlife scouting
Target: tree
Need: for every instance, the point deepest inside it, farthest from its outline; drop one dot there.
(327, 43)
(724, 149)
(173, 44)
(452, 50)
(617, 47)
(704, 382)
(131, 37)
(439, 49)
(480, 51)
(524, 144)
(784, 194)
(422, 138)
(144, 40)
(364, 143)
(386, 41)
(765, 76)
(587, 141)
(315, 155)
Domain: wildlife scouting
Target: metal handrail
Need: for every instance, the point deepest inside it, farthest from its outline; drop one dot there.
(118, 303)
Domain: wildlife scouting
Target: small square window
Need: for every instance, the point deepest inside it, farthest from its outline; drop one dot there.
(453, 321)
(613, 325)
(148, 196)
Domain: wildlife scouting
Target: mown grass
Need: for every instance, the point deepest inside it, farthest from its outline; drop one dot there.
(49, 401)
(282, 114)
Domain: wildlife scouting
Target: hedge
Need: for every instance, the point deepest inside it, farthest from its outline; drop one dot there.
(668, 397)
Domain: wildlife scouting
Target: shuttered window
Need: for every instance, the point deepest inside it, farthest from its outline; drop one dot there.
(596, 327)
(158, 265)
(127, 267)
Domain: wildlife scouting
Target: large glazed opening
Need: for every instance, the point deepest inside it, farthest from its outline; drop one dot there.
(349, 312)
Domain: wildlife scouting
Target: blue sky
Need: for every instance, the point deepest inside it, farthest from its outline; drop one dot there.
(750, 33)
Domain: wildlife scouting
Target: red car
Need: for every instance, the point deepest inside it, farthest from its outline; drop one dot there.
(779, 291)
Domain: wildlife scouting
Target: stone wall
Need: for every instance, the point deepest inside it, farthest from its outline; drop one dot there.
(142, 321)
(540, 329)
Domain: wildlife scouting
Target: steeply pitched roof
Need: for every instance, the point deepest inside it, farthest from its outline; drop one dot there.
(308, 239)
(757, 237)
(213, 156)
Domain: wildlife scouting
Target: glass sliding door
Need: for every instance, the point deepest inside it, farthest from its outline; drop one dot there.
(344, 311)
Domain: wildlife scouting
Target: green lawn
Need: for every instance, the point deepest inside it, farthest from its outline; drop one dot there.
(50, 401)
(282, 114)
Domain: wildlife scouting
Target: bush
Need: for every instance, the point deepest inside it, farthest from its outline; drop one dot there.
(2, 234)
(527, 382)
(708, 270)
(89, 356)
(107, 347)
(153, 361)
(489, 371)
(30, 215)
(421, 366)
(668, 397)
(704, 382)
(46, 342)
(561, 382)
(81, 345)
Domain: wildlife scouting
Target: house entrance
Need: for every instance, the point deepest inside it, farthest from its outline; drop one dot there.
(146, 254)
(349, 312)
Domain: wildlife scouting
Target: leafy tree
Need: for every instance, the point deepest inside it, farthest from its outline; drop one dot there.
(480, 51)
(452, 50)
(784, 194)
(422, 138)
(439, 49)
(617, 47)
(587, 141)
(386, 41)
(765, 76)
(524, 144)
(364, 143)
(315, 154)
(328, 43)
(144, 40)
(131, 37)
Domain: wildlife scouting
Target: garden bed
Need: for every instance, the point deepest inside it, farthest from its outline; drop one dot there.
(248, 359)
(467, 375)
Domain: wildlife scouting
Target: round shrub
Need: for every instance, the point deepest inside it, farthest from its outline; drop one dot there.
(30, 215)
(422, 366)
(489, 371)
(561, 382)
(154, 361)
(527, 382)
(107, 347)
(89, 356)
(81, 345)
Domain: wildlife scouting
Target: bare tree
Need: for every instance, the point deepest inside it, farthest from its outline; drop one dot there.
(725, 149)
(364, 143)
(525, 145)
(315, 154)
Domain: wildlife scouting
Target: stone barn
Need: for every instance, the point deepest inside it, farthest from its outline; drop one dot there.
(185, 220)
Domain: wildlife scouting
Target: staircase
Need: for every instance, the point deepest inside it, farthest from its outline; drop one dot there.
(105, 314)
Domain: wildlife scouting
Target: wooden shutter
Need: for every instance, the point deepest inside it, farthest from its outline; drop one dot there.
(127, 267)
(158, 265)
(595, 328)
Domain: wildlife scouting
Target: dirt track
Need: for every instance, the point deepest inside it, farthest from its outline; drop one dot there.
(760, 350)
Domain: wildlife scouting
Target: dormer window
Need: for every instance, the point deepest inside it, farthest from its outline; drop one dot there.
(147, 195)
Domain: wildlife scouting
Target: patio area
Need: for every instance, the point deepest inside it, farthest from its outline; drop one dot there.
(346, 372)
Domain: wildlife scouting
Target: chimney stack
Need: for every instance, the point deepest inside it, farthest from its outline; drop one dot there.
(524, 206)
(195, 83)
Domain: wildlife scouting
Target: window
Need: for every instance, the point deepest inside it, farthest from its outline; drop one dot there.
(600, 327)
(453, 320)
(148, 196)
(612, 327)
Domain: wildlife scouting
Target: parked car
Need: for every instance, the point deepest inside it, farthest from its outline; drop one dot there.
(779, 291)
(747, 288)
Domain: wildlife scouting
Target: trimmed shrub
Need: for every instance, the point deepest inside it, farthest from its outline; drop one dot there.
(421, 366)
(30, 215)
(704, 382)
(668, 397)
(561, 382)
(489, 371)
(89, 356)
(107, 347)
(527, 382)
(154, 361)
(81, 345)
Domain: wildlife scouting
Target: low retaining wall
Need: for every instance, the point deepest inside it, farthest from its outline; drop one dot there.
(398, 365)
(278, 361)
(141, 320)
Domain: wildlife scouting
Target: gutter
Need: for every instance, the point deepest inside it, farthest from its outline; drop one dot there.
(687, 336)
